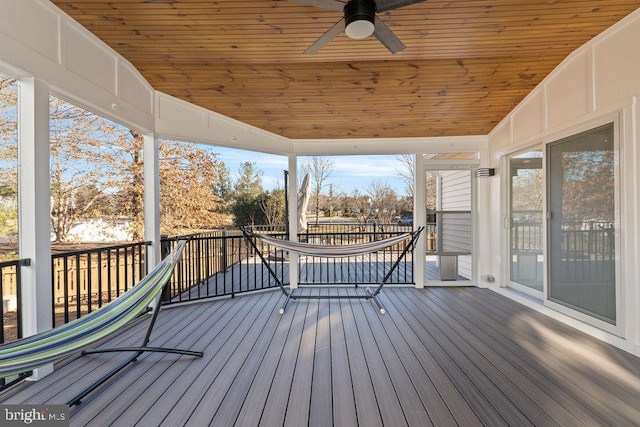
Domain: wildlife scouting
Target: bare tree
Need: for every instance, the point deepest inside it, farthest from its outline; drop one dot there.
(406, 169)
(188, 178)
(273, 206)
(320, 169)
(97, 169)
(360, 206)
(8, 158)
(383, 201)
(74, 142)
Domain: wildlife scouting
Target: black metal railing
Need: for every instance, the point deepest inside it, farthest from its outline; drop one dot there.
(11, 296)
(578, 239)
(85, 280)
(585, 250)
(222, 263)
(358, 270)
(216, 263)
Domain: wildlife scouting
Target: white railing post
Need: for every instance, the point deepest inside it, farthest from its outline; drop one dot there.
(419, 220)
(293, 219)
(151, 174)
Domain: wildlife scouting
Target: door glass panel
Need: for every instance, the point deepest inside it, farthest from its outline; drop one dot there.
(526, 187)
(582, 222)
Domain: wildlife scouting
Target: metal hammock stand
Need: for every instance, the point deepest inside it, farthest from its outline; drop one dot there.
(75, 337)
(333, 251)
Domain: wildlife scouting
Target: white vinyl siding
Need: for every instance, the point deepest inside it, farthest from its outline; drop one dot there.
(455, 191)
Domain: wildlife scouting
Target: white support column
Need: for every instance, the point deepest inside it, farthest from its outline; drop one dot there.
(293, 218)
(152, 197)
(482, 239)
(34, 205)
(419, 220)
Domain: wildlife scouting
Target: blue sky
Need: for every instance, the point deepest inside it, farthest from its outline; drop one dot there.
(349, 172)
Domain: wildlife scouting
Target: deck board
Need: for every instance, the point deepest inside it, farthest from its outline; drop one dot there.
(440, 356)
(255, 376)
(437, 410)
(321, 383)
(220, 370)
(344, 407)
(547, 373)
(543, 407)
(219, 405)
(390, 407)
(364, 395)
(431, 365)
(300, 392)
(155, 374)
(579, 373)
(412, 405)
(487, 401)
(277, 398)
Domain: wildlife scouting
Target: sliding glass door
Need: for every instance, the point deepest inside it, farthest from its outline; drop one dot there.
(526, 190)
(581, 222)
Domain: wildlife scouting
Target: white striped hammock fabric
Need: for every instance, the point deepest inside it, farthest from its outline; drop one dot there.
(333, 251)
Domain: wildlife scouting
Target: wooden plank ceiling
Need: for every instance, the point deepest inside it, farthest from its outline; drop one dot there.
(466, 63)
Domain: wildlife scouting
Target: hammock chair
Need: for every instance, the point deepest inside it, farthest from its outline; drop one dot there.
(72, 338)
(333, 251)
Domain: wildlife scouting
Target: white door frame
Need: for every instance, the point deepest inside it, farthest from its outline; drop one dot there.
(422, 166)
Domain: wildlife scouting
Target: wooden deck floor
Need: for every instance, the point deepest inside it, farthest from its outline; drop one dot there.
(440, 356)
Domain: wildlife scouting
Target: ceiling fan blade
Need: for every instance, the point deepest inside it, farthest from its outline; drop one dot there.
(384, 5)
(326, 37)
(386, 37)
(336, 5)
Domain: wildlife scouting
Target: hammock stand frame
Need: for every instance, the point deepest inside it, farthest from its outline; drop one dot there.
(369, 294)
(138, 351)
(77, 399)
(20, 357)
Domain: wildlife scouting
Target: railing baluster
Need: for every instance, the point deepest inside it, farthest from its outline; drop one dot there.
(99, 277)
(118, 269)
(89, 282)
(126, 268)
(85, 270)
(109, 289)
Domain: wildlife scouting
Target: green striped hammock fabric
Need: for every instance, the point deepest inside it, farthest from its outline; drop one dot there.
(46, 347)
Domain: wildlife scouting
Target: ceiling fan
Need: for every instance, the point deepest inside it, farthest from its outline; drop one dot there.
(359, 21)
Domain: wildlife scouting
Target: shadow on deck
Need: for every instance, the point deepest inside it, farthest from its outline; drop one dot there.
(441, 356)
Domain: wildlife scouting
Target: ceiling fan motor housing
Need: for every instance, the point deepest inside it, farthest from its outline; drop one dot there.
(359, 13)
